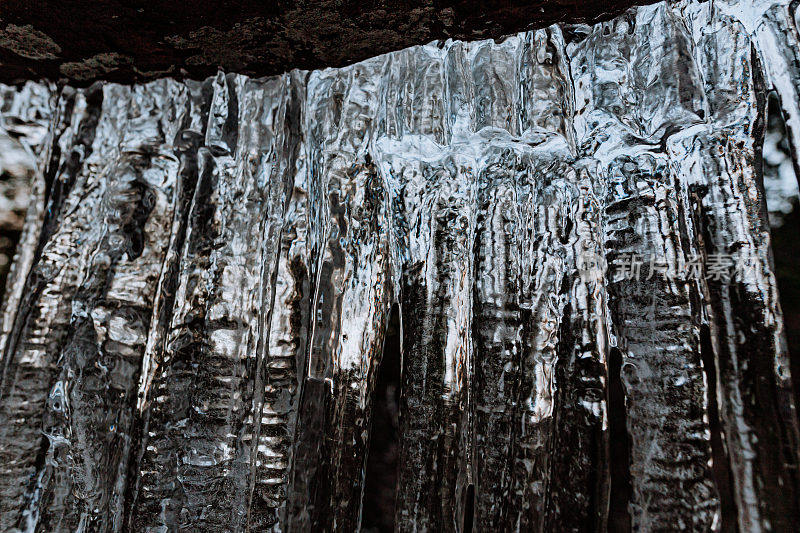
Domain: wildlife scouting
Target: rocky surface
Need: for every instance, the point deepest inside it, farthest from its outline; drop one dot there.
(125, 41)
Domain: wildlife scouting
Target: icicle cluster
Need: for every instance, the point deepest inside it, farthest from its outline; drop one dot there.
(196, 315)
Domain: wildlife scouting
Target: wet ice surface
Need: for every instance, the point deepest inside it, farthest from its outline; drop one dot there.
(24, 119)
(195, 321)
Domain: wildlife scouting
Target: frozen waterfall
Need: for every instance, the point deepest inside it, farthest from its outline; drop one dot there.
(572, 223)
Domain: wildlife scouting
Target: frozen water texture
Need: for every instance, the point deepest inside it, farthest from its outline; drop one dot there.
(196, 316)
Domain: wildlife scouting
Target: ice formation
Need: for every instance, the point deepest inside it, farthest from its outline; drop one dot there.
(572, 222)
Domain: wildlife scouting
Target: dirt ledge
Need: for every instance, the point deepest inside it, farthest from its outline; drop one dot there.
(81, 41)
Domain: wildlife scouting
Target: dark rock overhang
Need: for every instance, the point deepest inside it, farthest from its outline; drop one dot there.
(80, 41)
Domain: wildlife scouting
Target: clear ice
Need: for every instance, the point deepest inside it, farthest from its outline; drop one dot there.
(196, 313)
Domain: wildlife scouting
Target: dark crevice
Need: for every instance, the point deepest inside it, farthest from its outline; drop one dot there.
(619, 518)
(380, 485)
(723, 477)
(786, 247)
(785, 251)
(783, 255)
(469, 508)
